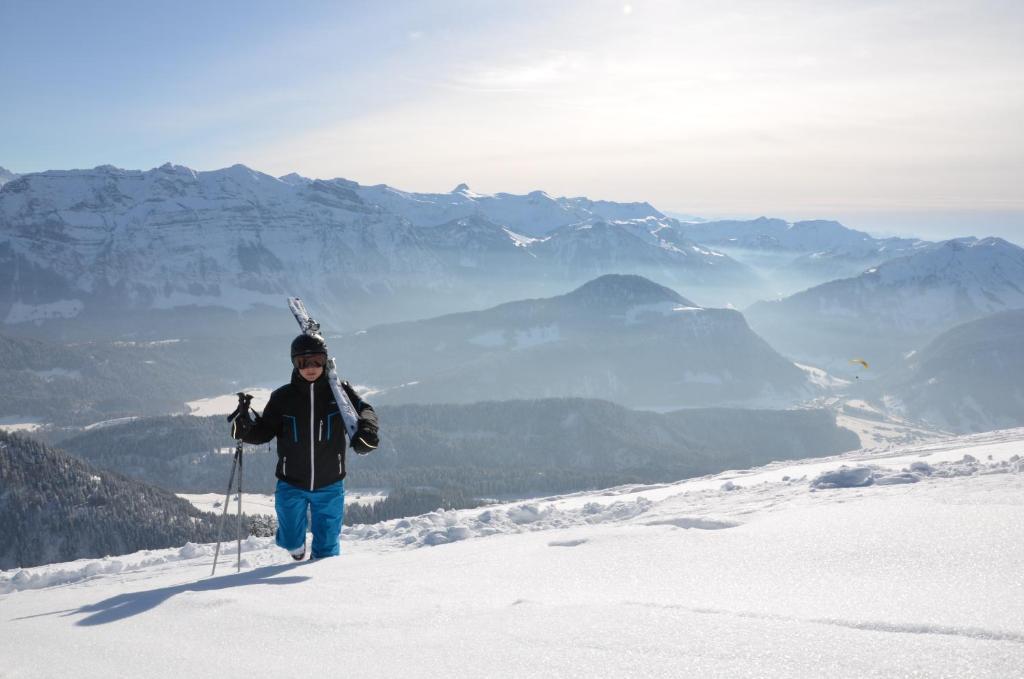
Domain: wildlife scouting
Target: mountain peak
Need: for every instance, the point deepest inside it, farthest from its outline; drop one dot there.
(994, 242)
(6, 176)
(968, 247)
(171, 168)
(461, 188)
(295, 179)
(625, 290)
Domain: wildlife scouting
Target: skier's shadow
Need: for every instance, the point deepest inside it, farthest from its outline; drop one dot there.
(126, 605)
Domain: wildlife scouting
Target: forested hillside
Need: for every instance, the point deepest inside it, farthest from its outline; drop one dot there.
(54, 507)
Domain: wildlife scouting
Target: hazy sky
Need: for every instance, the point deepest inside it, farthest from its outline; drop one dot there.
(893, 116)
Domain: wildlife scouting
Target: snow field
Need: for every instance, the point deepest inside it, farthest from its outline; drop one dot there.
(772, 578)
(257, 503)
(225, 404)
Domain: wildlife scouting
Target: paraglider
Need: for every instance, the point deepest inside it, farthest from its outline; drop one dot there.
(859, 361)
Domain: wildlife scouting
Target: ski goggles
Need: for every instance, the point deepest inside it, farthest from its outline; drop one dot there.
(311, 361)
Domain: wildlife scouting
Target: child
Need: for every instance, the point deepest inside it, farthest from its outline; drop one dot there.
(311, 442)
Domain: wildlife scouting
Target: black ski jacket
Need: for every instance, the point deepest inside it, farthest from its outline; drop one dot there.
(311, 436)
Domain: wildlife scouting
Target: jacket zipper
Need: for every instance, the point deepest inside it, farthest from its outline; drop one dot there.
(339, 464)
(312, 441)
(320, 435)
(284, 466)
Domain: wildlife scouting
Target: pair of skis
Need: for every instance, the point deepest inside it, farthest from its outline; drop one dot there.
(312, 328)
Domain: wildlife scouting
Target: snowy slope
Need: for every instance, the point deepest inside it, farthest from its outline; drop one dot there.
(762, 573)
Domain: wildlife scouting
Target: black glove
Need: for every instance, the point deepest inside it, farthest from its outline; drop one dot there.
(365, 439)
(242, 426)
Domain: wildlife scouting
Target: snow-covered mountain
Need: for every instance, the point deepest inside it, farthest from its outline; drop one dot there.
(796, 255)
(969, 378)
(779, 571)
(621, 338)
(898, 306)
(82, 244)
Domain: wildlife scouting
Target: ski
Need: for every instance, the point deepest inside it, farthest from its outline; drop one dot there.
(310, 327)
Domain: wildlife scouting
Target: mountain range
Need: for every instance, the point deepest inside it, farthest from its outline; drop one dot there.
(96, 246)
(897, 307)
(87, 256)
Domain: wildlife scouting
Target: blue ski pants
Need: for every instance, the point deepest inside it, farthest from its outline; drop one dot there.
(327, 509)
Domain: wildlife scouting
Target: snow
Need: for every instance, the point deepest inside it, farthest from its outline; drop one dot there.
(262, 504)
(254, 504)
(520, 240)
(636, 313)
(935, 287)
(147, 345)
(172, 237)
(17, 423)
(887, 431)
(54, 373)
(844, 477)
(109, 423)
(769, 579)
(225, 404)
(820, 378)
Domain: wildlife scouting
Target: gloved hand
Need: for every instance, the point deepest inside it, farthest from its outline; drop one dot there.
(242, 426)
(365, 439)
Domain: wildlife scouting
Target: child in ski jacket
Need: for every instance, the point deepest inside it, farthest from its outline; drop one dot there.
(311, 442)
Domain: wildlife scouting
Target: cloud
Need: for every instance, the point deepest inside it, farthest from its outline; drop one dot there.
(524, 73)
(759, 106)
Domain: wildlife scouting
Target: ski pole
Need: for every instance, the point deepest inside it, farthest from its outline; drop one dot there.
(239, 506)
(243, 408)
(227, 501)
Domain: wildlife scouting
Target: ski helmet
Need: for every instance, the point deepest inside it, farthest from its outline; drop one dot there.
(305, 345)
